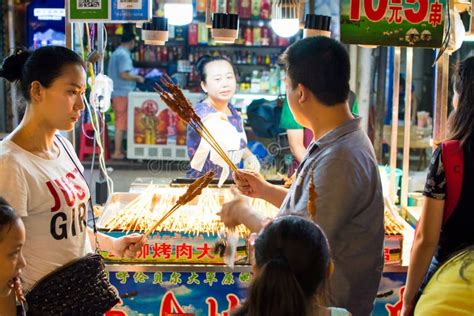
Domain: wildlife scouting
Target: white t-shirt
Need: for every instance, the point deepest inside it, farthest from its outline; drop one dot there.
(52, 199)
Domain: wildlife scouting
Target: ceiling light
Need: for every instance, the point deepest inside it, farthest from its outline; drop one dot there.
(179, 12)
(317, 25)
(156, 31)
(285, 17)
(225, 27)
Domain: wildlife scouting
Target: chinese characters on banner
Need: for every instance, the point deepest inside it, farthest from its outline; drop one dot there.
(170, 252)
(161, 293)
(410, 23)
(173, 247)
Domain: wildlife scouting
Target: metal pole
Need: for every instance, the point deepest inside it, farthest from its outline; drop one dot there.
(68, 27)
(393, 142)
(100, 44)
(353, 57)
(365, 77)
(69, 44)
(407, 133)
(441, 100)
(11, 49)
(380, 101)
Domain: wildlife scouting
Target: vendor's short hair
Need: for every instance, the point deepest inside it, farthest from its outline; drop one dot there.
(322, 65)
(128, 37)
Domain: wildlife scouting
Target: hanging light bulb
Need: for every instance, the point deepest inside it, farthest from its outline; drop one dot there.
(285, 17)
(179, 12)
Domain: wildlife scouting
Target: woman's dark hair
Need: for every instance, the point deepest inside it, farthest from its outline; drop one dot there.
(322, 65)
(7, 217)
(206, 59)
(292, 257)
(44, 65)
(461, 121)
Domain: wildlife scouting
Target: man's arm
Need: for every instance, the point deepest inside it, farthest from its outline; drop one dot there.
(126, 75)
(239, 211)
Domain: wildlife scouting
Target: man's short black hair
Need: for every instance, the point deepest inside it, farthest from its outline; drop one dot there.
(128, 37)
(322, 65)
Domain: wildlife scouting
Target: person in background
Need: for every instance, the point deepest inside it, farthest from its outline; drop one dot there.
(299, 137)
(218, 81)
(341, 164)
(436, 241)
(12, 261)
(292, 265)
(451, 289)
(41, 175)
(120, 71)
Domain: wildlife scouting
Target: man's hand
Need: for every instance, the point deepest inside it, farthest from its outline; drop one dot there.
(232, 212)
(250, 183)
(140, 79)
(239, 211)
(127, 246)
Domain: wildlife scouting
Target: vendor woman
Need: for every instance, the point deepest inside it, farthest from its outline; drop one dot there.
(218, 81)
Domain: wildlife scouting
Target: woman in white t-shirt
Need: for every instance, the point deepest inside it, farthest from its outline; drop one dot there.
(37, 176)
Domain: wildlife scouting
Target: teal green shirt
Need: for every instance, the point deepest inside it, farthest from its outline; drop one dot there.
(287, 120)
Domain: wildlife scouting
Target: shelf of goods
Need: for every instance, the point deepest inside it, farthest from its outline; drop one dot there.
(178, 271)
(154, 131)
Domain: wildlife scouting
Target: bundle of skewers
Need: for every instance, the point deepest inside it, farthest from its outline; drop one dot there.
(146, 213)
(178, 103)
(194, 190)
(392, 225)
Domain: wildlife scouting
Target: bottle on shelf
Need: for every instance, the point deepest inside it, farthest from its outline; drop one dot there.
(255, 9)
(221, 6)
(265, 9)
(203, 33)
(213, 5)
(265, 36)
(245, 9)
(255, 82)
(201, 5)
(273, 80)
(193, 34)
(257, 32)
(282, 82)
(232, 6)
(264, 82)
(248, 36)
